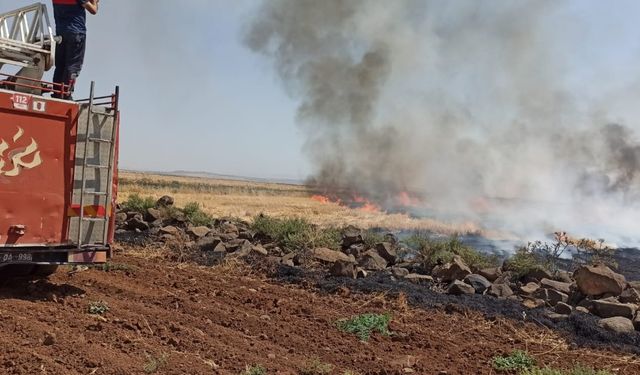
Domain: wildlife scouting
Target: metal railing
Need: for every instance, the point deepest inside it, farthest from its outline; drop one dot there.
(24, 33)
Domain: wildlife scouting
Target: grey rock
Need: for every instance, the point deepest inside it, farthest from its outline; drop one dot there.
(372, 261)
(610, 308)
(529, 288)
(500, 290)
(490, 274)
(136, 223)
(153, 214)
(582, 309)
(351, 235)
(198, 232)
(170, 229)
(617, 324)
(556, 317)
(259, 249)
(563, 308)
(326, 255)
(458, 287)
(630, 295)
(419, 279)
(387, 251)
(399, 271)
(455, 270)
(343, 269)
(478, 282)
(556, 285)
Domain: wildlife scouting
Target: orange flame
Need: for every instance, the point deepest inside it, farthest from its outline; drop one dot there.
(370, 207)
(321, 199)
(407, 200)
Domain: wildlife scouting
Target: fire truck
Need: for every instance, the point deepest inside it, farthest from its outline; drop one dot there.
(58, 158)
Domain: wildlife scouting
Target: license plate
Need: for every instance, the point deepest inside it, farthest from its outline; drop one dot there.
(16, 257)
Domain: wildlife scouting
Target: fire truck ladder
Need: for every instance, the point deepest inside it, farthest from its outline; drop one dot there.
(26, 34)
(99, 140)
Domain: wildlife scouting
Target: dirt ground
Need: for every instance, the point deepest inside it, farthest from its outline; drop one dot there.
(167, 318)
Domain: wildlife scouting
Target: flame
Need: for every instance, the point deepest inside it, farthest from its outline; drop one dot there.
(407, 200)
(370, 207)
(321, 199)
(17, 156)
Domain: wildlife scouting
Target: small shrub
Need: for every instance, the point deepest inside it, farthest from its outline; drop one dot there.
(590, 251)
(371, 238)
(109, 267)
(136, 203)
(316, 367)
(523, 262)
(516, 361)
(363, 325)
(195, 215)
(254, 370)
(98, 308)
(437, 252)
(294, 234)
(154, 363)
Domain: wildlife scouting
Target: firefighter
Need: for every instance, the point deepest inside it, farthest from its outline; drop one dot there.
(71, 25)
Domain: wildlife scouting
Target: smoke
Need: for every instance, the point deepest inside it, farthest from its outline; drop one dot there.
(460, 101)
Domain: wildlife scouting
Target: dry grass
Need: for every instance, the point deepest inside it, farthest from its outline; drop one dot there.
(243, 199)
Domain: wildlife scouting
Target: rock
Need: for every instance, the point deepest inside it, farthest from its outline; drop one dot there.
(170, 229)
(455, 270)
(121, 217)
(326, 255)
(538, 274)
(164, 201)
(556, 317)
(356, 249)
(350, 236)
(399, 272)
(243, 247)
(563, 308)
(617, 324)
(551, 296)
(636, 321)
(630, 295)
(610, 308)
(246, 235)
(361, 273)
(419, 279)
(533, 303)
(386, 251)
(229, 228)
(49, 339)
(491, 274)
(372, 261)
(458, 287)
(563, 276)
(209, 243)
(556, 285)
(259, 249)
(198, 232)
(153, 214)
(500, 291)
(478, 282)
(530, 288)
(136, 223)
(582, 309)
(598, 280)
(343, 269)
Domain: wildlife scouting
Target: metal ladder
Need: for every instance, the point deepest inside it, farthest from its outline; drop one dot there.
(104, 197)
(26, 33)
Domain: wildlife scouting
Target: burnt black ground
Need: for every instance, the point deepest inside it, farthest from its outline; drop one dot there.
(579, 328)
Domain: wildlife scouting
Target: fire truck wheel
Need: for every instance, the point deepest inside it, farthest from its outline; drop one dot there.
(44, 270)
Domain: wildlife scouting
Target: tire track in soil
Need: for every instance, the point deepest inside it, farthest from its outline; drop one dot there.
(217, 320)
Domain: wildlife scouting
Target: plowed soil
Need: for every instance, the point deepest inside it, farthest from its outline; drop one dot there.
(167, 318)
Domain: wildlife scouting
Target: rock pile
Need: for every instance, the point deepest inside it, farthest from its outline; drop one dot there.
(596, 290)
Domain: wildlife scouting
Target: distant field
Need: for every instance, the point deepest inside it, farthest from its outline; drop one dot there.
(245, 199)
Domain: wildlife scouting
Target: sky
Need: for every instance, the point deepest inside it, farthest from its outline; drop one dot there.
(195, 98)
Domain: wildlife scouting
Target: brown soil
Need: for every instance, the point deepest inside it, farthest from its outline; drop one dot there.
(185, 319)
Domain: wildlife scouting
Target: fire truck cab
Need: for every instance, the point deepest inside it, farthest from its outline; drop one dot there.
(58, 158)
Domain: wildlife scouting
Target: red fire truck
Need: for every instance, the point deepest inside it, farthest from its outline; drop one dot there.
(58, 158)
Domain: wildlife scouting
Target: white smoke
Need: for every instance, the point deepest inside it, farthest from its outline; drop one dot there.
(463, 101)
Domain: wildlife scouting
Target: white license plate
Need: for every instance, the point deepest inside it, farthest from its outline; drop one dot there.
(16, 257)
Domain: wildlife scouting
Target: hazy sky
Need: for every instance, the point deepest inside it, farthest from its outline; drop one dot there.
(195, 98)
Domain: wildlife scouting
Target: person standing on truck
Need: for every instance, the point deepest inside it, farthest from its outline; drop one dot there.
(71, 25)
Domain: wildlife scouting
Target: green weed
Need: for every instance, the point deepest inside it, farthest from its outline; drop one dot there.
(195, 215)
(154, 363)
(98, 308)
(518, 360)
(136, 203)
(436, 251)
(363, 325)
(294, 234)
(316, 367)
(254, 370)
